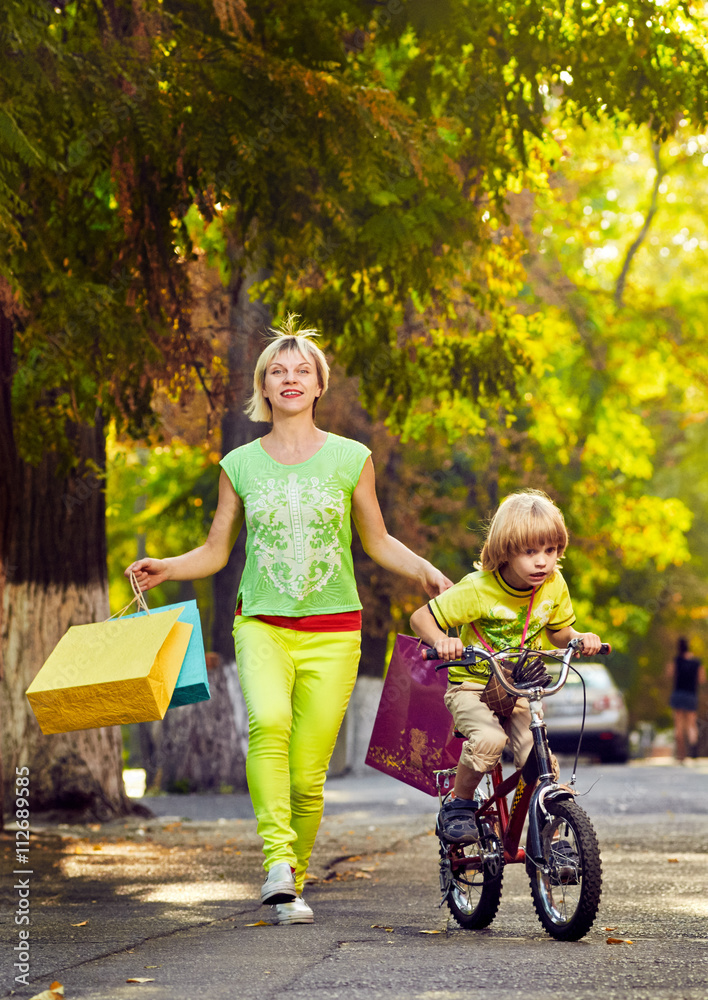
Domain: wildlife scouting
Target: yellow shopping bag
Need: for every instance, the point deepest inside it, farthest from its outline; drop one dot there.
(109, 673)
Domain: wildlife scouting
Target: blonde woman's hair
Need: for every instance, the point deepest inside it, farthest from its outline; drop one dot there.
(289, 336)
(525, 520)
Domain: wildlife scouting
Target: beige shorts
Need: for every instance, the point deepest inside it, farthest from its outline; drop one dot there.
(486, 735)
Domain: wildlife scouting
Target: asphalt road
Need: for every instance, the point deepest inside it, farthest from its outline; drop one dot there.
(174, 901)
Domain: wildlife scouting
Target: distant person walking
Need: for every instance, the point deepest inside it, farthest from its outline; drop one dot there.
(688, 675)
(297, 629)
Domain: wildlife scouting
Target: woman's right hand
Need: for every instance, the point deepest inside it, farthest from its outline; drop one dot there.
(149, 573)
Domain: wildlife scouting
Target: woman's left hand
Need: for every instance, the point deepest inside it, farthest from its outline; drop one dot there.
(434, 582)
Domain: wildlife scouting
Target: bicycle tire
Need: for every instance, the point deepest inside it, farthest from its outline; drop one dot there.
(567, 896)
(474, 895)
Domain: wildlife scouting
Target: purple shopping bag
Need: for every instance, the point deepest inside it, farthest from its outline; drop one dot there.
(413, 734)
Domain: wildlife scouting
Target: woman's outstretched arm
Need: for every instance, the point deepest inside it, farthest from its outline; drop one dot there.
(383, 548)
(205, 560)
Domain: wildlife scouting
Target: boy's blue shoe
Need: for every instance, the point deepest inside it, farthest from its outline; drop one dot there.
(456, 821)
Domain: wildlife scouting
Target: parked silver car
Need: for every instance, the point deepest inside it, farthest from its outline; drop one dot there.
(606, 731)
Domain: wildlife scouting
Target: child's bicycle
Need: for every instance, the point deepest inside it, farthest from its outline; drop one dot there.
(562, 856)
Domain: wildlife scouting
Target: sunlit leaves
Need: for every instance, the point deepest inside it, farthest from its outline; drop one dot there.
(621, 442)
(649, 528)
(162, 497)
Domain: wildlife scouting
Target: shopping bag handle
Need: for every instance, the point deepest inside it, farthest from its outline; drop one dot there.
(139, 597)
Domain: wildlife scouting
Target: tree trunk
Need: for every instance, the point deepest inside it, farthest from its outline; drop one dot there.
(52, 575)
(247, 321)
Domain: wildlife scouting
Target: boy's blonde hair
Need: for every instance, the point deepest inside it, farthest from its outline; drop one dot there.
(528, 519)
(287, 337)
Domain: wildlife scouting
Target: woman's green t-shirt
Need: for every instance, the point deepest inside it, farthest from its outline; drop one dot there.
(298, 521)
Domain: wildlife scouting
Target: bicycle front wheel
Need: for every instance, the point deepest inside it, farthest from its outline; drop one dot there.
(566, 889)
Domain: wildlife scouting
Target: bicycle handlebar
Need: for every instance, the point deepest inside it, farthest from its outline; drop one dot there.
(472, 653)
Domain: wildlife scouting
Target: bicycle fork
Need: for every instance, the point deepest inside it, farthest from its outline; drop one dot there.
(546, 788)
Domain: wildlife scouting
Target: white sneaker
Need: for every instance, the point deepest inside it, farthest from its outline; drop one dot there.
(279, 887)
(297, 912)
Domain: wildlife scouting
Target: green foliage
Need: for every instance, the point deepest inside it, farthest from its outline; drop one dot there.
(319, 142)
(159, 500)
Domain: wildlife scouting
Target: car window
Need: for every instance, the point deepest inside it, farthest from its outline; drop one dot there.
(594, 677)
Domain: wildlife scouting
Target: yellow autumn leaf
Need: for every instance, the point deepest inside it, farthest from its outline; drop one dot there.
(140, 979)
(614, 940)
(82, 924)
(55, 992)
(259, 923)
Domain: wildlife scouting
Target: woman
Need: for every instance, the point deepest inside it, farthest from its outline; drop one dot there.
(297, 629)
(688, 675)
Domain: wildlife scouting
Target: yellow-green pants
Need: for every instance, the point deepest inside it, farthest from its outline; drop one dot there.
(297, 686)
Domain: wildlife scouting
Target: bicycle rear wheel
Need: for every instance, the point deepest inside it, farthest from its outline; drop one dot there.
(566, 891)
(475, 887)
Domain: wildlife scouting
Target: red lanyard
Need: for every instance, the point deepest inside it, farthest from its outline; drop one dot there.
(523, 634)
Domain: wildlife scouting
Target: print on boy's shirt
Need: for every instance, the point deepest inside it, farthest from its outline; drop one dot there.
(295, 523)
(504, 626)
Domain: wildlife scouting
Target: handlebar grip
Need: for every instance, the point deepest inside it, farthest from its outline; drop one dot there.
(605, 649)
(431, 654)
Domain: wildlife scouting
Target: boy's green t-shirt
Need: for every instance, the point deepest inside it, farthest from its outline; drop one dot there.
(298, 520)
(499, 614)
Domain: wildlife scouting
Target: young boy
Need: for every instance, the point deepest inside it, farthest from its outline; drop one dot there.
(516, 595)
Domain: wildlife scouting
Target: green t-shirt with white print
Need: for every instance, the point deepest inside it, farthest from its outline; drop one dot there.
(298, 521)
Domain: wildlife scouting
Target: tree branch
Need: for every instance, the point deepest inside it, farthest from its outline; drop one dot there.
(653, 205)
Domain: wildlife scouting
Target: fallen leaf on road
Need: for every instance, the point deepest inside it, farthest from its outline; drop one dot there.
(153, 966)
(259, 923)
(55, 992)
(430, 932)
(82, 924)
(361, 875)
(383, 927)
(612, 940)
(672, 861)
(140, 979)
(610, 928)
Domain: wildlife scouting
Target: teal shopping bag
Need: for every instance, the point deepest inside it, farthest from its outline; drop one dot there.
(192, 684)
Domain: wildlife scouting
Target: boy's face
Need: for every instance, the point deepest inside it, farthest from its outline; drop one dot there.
(531, 567)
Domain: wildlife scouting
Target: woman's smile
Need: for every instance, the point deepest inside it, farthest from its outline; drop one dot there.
(291, 377)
